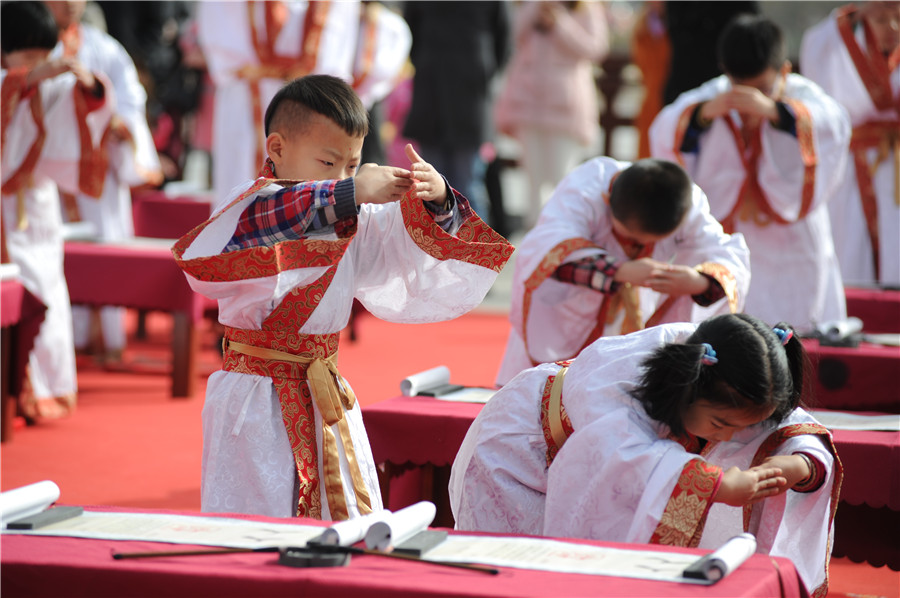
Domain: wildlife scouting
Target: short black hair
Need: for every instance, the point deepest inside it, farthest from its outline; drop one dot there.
(651, 194)
(27, 26)
(755, 370)
(749, 45)
(329, 96)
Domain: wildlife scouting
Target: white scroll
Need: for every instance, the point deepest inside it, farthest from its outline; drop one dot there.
(27, 500)
(351, 531)
(400, 526)
(724, 559)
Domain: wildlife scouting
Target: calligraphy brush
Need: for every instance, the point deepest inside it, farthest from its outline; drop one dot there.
(315, 548)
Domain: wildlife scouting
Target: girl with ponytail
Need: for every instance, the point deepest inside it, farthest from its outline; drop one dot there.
(681, 434)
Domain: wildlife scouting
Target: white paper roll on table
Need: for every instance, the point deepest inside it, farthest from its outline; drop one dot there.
(412, 385)
(351, 531)
(725, 559)
(27, 500)
(400, 526)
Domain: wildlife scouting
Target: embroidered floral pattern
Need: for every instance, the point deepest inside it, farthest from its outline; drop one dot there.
(480, 246)
(768, 447)
(685, 515)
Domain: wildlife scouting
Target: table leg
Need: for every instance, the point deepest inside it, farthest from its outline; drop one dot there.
(7, 400)
(185, 341)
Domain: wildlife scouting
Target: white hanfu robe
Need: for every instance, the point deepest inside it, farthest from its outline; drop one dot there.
(249, 63)
(826, 58)
(553, 320)
(796, 277)
(382, 50)
(618, 475)
(42, 148)
(133, 162)
(399, 264)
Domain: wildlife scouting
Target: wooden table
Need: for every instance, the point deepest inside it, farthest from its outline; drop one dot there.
(141, 274)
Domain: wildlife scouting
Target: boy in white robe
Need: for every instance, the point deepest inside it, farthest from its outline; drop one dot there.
(854, 54)
(133, 159)
(646, 438)
(769, 148)
(618, 247)
(285, 259)
(54, 115)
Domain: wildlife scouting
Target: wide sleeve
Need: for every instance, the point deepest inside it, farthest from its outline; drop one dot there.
(408, 269)
(810, 166)
(613, 480)
(818, 50)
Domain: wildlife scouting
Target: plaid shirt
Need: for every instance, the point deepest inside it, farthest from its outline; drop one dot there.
(293, 212)
(598, 273)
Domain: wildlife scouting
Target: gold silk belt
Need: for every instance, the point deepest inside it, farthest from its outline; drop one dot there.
(332, 395)
(555, 421)
(884, 136)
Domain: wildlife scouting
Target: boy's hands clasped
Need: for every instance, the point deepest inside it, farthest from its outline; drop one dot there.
(385, 184)
(671, 279)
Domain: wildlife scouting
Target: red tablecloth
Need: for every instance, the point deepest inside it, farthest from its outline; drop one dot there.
(158, 215)
(53, 567)
(138, 276)
(23, 313)
(878, 309)
(862, 378)
(423, 430)
(143, 275)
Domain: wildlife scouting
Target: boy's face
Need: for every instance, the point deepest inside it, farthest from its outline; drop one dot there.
(321, 151)
(766, 81)
(26, 58)
(633, 232)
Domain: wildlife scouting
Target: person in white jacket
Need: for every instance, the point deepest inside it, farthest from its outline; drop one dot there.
(769, 148)
(854, 54)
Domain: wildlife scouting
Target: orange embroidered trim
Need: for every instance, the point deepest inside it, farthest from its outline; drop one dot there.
(276, 66)
(369, 27)
(768, 447)
(259, 262)
(684, 121)
(11, 95)
(685, 515)
(726, 280)
(873, 69)
(94, 161)
(545, 269)
(475, 242)
(552, 447)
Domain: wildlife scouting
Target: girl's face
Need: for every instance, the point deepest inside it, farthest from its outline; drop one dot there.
(718, 423)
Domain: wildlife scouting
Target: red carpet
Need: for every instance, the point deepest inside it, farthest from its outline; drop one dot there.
(129, 444)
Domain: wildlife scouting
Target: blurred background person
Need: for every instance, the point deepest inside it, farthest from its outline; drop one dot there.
(549, 101)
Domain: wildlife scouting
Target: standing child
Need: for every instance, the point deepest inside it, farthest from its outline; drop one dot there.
(619, 247)
(282, 433)
(54, 115)
(769, 148)
(671, 435)
(854, 54)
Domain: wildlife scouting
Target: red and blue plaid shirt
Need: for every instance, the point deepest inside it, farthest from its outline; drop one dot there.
(293, 212)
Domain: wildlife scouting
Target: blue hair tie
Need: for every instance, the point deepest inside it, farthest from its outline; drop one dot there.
(783, 335)
(709, 355)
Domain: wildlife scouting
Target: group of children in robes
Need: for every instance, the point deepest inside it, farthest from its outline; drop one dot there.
(671, 432)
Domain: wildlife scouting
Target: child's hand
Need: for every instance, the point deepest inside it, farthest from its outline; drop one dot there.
(429, 184)
(739, 488)
(678, 280)
(381, 184)
(750, 101)
(49, 69)
(639, 272)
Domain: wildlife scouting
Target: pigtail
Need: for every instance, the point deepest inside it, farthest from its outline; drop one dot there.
(669, 382)
(798, 365)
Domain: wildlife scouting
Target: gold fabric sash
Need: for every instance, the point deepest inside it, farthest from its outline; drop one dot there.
(332, 395)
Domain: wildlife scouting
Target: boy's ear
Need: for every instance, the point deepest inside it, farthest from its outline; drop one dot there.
(274, 146)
